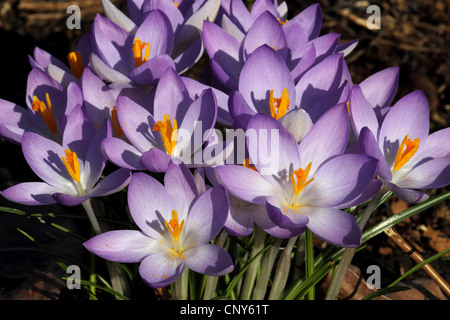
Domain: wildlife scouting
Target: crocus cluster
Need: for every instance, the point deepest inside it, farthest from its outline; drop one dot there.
(275, 134)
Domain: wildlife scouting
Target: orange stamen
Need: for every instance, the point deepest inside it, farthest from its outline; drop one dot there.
(301, 175)
(175, 229)
(279, 106)
(72, 165)
(75, 63)
(403, 156)
(115, 122)
(168, 133)
(138, 46)
(282, 22)
(248, 165)
(46, 111)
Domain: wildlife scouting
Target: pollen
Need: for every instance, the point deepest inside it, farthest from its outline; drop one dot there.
(115, 122)
(75, 63)
(279, 106)
(168, 133)
(72, 165)
(45, 111)
(299, 177)
(405, 152)
(175, 228)
(138, 46)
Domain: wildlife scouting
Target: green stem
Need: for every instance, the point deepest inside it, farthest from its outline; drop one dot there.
(282, 272)
(211, 281)
(266, 269)
(118, 280)
(309, 261)
(347, 256)
(180, 290)
(250, 275)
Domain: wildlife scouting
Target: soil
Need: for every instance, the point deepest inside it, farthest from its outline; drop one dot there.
(414, 35)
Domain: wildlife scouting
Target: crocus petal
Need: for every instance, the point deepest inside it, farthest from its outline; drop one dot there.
(189, 32)
(369, 146)
(121, 153)
(207, 216)
(209, 260)
(44, 158)
(69, 200)
(169, 9)
(127, 246)
(361, 112)
(409, 116)
(137, 124)
(408, 195)
(298, 123)
(171, 97)
(432, 174)
(195, 88)
(155, 160)
(312, 17)
(180, 184)
(189, 57)
(156, 30)
(319, 80)
(263, 221)
(328, 137)
(240, 15)
(437, 145)
(112, 183)
(379, 89)
(265, 30)
(284, 216)
(239, 222)
(341, 179)
(271, 146)
(106, 72)
(150, 72)
(306, 62)
(244, 183)
(232, 28)
(365, 195)
(14, 115)
(117, 16)
(150, 204)
(240, 111)
(31, 193)
(160, 269)
(262, 6)
(263, 71)
(334, 226)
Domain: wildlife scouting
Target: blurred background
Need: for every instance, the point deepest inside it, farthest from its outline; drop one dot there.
(414, 35)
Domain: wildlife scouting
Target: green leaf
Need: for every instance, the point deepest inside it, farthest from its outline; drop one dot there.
(106, 289)
(235, 280)
(300, 288)
(381, 292)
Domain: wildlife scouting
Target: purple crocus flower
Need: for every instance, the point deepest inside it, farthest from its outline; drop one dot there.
(139, 52)
(266, 86)
(305, 185)
(48, 105)
(71, 171)
(64, 72)
(100, 100)
(296, 40)
(176, 224)
(176, 130)
(409, 158)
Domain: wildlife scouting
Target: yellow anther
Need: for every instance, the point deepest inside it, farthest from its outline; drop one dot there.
(45, 111)
(168, 133)
(115, 122)
(138, 46)
(403, 156)
(75, 63)
(279, 106)
(299, 181)
(72, 165)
